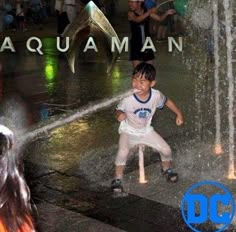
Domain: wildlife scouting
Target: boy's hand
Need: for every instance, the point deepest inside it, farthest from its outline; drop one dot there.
(179, 120)
(179, 117)
(121, 116)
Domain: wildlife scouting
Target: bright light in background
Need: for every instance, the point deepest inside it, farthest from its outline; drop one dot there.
(231, 176)
(218, 149)
(116, 79)
(50, 71)
(231, 171)
(50, 62)
(116, 72)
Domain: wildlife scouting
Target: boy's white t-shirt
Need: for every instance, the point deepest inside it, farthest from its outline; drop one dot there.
(139, 113)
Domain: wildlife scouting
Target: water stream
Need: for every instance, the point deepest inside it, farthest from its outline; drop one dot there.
(218, 147)
(228, 25)
(79, 114)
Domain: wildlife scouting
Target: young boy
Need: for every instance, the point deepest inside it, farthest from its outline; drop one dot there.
(135, 114)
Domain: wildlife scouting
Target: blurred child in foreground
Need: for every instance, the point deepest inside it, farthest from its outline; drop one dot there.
(15, 207)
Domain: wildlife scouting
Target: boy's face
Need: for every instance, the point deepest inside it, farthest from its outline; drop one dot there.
(143, 85)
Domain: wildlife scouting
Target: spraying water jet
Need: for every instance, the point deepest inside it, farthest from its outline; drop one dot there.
(70, 118)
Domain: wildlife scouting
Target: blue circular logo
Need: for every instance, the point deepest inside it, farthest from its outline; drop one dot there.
(208, 206)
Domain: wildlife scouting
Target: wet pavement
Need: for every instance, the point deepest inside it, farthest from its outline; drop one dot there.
(69, 171)
(84, 208)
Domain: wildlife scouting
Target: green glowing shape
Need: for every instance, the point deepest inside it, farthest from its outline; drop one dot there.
(181, 6)
(50, 59)
(50, 71)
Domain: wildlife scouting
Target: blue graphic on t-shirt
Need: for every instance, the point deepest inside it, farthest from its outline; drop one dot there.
(143, 112)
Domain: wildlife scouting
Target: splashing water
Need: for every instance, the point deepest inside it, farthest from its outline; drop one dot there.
(79, 114)
(218, 147)
(14, 114)
(201, 18)
(221, 22)
(228, 24)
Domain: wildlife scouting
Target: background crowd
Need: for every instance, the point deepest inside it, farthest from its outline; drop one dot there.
(18, 15)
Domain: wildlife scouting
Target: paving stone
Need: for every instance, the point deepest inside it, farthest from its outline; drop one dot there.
(55, 219)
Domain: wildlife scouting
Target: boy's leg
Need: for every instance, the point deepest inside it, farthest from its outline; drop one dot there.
(154, 140)
(120, 162)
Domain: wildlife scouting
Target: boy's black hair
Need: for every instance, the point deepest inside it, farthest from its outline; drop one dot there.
(146, 70)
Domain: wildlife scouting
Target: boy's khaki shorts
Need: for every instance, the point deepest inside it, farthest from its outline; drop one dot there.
(151, 139)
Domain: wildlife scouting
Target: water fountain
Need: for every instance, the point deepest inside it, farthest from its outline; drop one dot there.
(218, 147)
(75, 116)
(228, 7)
(211, 101)
(192, 11)
(207, 28)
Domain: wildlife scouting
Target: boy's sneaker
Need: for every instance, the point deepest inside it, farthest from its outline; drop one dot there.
(170, 175)
(116, 186)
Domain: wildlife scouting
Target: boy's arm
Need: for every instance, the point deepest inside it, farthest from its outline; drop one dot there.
(120, 115)
(179, 117)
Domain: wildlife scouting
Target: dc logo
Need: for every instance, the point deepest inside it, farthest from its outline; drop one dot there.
(216, 205)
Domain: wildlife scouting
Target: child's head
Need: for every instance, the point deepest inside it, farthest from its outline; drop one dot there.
(146, 71)
(6, 139)
(144, 77)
